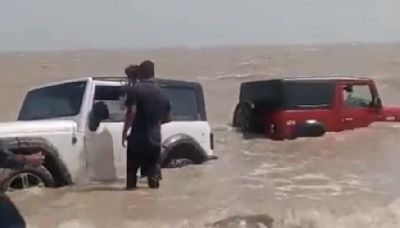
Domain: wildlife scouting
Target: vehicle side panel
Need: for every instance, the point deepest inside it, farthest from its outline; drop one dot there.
(280, 124)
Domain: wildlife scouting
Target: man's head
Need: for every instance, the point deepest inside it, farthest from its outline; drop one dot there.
(348, 88)
(147, 69)
(132, 72)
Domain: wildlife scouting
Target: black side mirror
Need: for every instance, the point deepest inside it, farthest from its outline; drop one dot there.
(99, 112)
(377, 102)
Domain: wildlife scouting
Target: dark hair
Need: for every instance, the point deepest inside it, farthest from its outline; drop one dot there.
(147, 69)
(132, 71)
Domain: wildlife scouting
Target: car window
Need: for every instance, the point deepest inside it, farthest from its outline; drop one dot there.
(184, 103)
(110, 95)
(304, 95)
(57, 101)
(183, 100)
(357, 96)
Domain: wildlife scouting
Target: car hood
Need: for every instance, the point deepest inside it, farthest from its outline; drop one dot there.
(20, 128)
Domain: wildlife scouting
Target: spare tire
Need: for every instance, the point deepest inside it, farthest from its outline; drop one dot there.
(236, 117)
(247, 118)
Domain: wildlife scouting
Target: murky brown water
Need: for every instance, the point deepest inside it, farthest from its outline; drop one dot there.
(349, 179)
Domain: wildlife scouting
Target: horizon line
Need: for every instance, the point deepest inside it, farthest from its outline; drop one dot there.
(198, 47)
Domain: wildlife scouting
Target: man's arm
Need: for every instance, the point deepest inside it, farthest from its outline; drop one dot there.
(11, 161)
(129, 118)
(130, 114)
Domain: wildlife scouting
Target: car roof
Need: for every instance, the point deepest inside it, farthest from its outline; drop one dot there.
(162, 81)
(169, 82)
(327, 78)
(312, 78)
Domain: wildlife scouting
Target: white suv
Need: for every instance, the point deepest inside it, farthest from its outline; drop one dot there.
(82, 140)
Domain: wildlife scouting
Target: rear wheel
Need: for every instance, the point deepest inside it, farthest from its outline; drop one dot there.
(309, 128)
(182, 155)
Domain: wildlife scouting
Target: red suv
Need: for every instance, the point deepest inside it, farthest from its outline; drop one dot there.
(309, 107)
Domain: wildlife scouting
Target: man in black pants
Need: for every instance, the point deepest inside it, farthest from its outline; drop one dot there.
(9, 214)
(147, 109)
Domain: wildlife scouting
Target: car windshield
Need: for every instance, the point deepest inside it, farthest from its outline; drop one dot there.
(53, 102)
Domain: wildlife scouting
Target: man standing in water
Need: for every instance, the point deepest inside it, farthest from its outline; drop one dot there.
(9, 214)
(147, 109)
(132, 72)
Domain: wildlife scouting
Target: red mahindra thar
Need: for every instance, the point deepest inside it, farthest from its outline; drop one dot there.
(309, 107)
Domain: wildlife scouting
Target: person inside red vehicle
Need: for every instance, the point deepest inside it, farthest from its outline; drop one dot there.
(9, 214)
(352, 100)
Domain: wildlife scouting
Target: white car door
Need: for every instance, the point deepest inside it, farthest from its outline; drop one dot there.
(105, 154)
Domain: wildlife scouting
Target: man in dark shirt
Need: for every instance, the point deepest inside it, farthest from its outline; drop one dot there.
(147, 109)
(9, 214)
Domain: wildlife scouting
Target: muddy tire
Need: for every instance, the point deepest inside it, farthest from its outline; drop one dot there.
(182, 153)
(52, 166)
(309, 128)
(179, 163)
(20, 179)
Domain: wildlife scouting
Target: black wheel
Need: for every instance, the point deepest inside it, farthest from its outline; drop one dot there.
(179, 163)
(292, 136)
(309, 128)
(53, 166)
(14, 180)
(182, 154)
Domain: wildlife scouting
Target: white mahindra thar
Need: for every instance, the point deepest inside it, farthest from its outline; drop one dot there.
(82, 140)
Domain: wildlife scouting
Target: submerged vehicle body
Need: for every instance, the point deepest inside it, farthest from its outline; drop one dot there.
(309, 106)
(78, 123)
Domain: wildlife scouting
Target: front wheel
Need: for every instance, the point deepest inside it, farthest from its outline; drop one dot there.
(14, 180)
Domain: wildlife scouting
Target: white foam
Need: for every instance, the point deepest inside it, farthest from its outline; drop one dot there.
(263, 169)
(312, 176)
(254, 186)
(246, 63)
(229, 76)
(326, 187)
